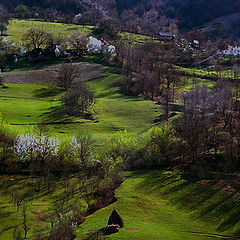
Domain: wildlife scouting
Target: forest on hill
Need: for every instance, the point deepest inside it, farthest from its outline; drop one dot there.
(189, 14)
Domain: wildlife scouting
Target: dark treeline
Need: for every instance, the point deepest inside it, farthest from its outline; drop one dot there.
(67, 6)
(187, 14)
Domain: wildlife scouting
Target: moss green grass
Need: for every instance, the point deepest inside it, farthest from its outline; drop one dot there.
(38, 211)
(23, 106)
(17, 28)
(164, 205)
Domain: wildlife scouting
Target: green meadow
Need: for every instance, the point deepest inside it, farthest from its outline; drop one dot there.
(160, 205)
(167, 206)
(17, 28)
(39, 209)
(23, 106)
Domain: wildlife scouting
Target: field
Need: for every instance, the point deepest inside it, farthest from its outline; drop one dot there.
(160, 204)
(163, 205)
(17, 28)
(23, 106)
(39, 208)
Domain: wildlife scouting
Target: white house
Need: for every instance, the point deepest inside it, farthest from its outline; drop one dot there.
(196, 42)
(165, 35)
(97, 46)
(235, 51)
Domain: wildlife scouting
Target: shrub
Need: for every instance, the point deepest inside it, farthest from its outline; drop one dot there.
(81, 147)
(78, 100)
(118, 145)
(67, 74)
(28, 147)
(155, 148)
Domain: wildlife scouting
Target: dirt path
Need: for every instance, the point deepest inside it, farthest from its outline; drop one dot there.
(87, 71)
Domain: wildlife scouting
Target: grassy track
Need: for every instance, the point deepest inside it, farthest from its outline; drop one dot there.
(164, 206)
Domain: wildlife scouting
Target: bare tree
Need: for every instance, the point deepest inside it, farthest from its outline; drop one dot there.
(24, 223)
(67, 74)
(3, 28)
(78, 42)
(35, 38)
(4, 19)
(53, 40)
(78, 99)
(17, 198)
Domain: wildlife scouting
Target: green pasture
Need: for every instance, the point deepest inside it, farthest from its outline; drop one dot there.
(228, 73)
(23, 106)
(17, 28)
(160, 204)
(166, 206)
(40, 209)
(137, 38)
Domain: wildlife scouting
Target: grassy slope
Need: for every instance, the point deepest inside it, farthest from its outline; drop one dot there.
(17, 28)
(225, 74)
(162, 205)
(24, 105)
(38, 212)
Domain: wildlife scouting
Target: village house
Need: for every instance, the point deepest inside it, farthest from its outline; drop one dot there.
(165, 36)
(235, 51)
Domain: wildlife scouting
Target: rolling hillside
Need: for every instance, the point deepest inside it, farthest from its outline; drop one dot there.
(165, 205)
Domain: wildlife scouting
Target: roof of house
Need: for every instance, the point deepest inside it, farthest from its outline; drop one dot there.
(165, 34)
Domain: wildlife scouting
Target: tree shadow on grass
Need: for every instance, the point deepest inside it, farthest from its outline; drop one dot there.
(57, 114)
(205, 200)
(48, 91)
(7, 229)
(210, 235)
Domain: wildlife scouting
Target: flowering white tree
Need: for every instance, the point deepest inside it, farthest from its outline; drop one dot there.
(94, 45)
(29, 146)
(46, 146)
(81, 148)
(97, 46)
(60, 51)
(8, 48)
